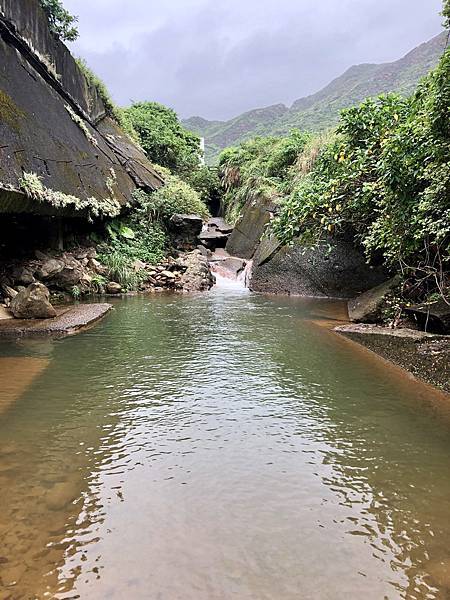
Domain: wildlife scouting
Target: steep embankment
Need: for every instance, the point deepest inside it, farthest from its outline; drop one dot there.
(321, 110)
(54, 127)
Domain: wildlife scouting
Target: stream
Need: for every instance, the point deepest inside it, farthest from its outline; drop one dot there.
(219, 446)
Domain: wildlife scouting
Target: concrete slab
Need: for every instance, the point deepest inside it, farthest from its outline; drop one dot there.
(424, 355)
(69, 320)
(5, 314)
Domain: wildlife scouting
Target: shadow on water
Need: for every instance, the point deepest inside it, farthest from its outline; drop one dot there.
(219, 446)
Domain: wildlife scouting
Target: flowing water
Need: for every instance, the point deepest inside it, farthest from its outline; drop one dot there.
(217, 447)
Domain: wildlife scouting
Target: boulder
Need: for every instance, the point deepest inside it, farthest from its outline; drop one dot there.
(219, 224)
(49, 268)
(113, 288)
(433, 317)
(8, 291)
(185, 229)
(138, 265)
(23, 276)
(71, 273)
(213, 239)
(230, 267)
(367, 307)
(168, 274)
(69, 277)
(424, 355)
(219, 254)
(33, 303)
(332, 269)
(250, 227)
(197, 276)
(96, 266)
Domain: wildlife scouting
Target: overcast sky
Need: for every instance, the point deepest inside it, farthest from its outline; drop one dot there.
(218, 58)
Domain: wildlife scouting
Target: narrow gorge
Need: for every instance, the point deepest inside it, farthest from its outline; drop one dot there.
(230, 380)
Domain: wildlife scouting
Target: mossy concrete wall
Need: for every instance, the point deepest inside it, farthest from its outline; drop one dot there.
(54, 124)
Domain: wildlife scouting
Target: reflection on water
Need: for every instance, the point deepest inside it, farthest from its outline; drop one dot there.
(221, 446)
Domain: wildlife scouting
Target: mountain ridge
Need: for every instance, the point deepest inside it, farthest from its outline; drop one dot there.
(321, 110)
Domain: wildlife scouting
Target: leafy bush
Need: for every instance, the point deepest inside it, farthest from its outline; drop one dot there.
(446, 14)
(206, 182)
(175, 196)
(136, 237)
(120, 269)
(163, 138)
(62, 23)
(386, 177)
(257, 167)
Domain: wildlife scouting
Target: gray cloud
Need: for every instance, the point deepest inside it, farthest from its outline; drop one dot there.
(218, 58)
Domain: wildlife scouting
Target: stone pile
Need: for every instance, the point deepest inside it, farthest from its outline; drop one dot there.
(61, 272)
(189, 272)
(72, 274)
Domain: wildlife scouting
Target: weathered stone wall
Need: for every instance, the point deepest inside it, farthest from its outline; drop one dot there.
(249, 229)
(336, 268)
(53, 124)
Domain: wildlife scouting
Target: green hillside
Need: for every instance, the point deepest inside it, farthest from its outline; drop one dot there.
(321, 110)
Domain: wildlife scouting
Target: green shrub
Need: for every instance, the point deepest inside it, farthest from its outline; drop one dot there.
(175, 196)
(61, 22)
(163, 138)
(386, 177)
(257, 168)
(206, 182)
(120, 269)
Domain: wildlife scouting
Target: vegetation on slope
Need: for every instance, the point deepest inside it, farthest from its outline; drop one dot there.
(257, 168)
(321, 110)
(383, 175)
(163, 138)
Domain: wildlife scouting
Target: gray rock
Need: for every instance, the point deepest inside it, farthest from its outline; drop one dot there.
(43, 125)
(335, 269)
(367, 307)
(433, 317)
(213, 239)
(71, 274)
(113, 288)
(425, 355)
(96, 266)
(219, 224)
(219, 254)
(138, 265)
(250, 227)
(50, 268)
(22, 275)
(197, 276)
(69, 277)
(9, 292)
(185, 230)
(33, 303)
(230, 267)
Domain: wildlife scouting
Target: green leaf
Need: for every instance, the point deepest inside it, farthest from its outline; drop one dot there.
(127, 232)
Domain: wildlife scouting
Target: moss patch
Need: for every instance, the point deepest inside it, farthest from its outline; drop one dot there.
(10, 113)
